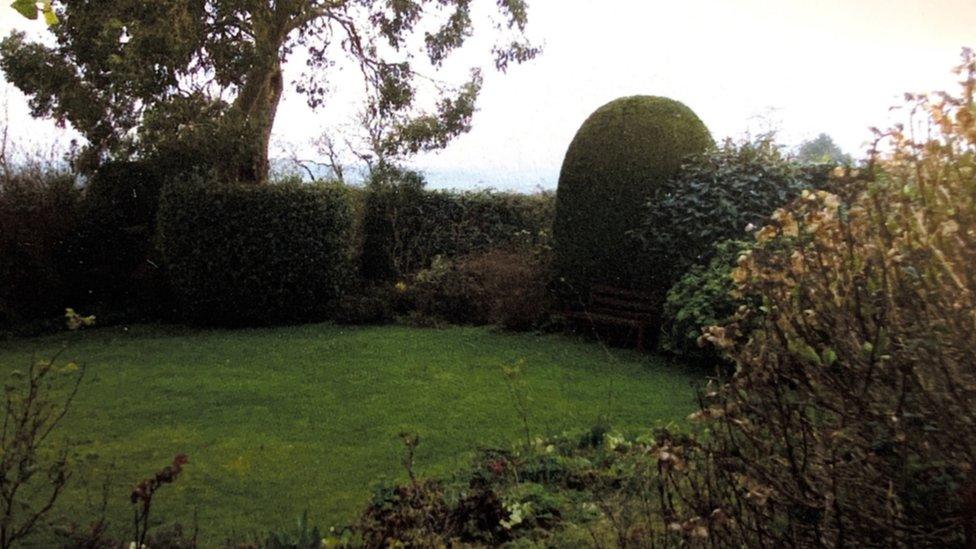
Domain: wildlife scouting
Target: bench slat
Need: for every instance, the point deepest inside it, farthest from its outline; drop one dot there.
(622, 314)
(622, 303)
(609, 319)
(621, 292)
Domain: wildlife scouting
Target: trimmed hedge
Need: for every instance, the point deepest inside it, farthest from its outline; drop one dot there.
(38, 212)
(112, 251)
(621, 154)
(405, 226)
(255, 255)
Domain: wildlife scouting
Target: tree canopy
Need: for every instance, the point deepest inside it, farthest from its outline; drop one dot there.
(143, 78)
(822, 150)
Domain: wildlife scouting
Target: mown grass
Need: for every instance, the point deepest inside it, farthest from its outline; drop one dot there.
(279, 421)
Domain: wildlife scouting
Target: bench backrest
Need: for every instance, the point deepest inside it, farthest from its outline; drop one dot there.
(622, 303)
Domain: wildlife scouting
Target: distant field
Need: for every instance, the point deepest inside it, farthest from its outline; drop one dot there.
(279, 421)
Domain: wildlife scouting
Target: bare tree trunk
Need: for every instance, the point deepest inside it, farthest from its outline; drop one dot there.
(257, 103)
(255, 109)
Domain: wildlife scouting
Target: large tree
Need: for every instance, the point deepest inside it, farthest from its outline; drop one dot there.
(137, 77)
(822, 150)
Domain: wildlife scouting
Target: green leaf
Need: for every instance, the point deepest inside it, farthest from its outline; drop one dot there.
(829, 357)
(867, 350)
(30, 8)
(27, 8)
(50, 17)
(803, 350)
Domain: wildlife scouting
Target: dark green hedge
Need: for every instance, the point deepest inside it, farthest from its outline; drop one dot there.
(112, 252)
(621, 154)
(38, 212)
(405, 226)
(255, 255)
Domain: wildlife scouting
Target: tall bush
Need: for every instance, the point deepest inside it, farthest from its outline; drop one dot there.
(246, 254)
(704, 296)
(850, 418)
(619, 156)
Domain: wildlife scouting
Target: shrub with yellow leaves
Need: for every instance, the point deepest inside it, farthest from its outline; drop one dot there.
(850, 419)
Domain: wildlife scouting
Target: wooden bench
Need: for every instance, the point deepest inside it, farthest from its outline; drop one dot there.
(618, 307)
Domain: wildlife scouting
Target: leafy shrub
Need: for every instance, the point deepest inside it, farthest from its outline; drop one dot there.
(38, 212)
(251, 254)
(445, 293)
(703, 297)
(420, 515)
(513, 285)
(563, 491)
(405, 226)
(849, 417)
(714, 197)
(504, 287)
(621, 154)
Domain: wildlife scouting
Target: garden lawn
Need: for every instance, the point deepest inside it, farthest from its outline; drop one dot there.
(279, 421)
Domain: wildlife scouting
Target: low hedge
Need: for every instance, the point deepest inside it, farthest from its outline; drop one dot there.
(254, 255)
(405, 226)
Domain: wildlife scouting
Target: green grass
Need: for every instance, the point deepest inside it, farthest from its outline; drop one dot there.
(279, 421)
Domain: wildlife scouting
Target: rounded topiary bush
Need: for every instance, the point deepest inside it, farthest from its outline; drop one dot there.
(619, 156)
(252, 255)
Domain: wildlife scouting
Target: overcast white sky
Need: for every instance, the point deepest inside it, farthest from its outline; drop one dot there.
(800, 66)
